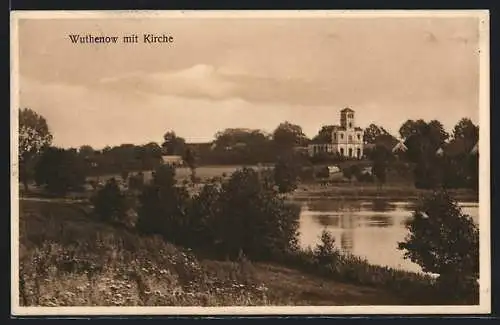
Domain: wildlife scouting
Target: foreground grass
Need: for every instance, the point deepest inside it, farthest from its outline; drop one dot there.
(69, 259)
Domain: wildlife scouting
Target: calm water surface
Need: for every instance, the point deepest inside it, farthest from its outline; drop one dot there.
(369, 229)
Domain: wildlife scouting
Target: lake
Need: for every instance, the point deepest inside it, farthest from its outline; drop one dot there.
(369, 229)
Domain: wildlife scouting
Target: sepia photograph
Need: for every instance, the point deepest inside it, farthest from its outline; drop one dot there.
(250, 162)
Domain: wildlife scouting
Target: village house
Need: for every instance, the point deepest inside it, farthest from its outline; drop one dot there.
(458, 147)
(346, 139)
(172, 160)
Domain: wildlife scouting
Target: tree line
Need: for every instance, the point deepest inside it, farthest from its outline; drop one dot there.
(38, 159)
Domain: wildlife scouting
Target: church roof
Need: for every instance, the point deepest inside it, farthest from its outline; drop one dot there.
(347, 109)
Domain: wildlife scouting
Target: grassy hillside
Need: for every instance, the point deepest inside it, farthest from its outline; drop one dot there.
(67, 258)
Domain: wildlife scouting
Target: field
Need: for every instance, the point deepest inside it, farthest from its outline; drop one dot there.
(67, 258)
(397, 187)
(182, 173)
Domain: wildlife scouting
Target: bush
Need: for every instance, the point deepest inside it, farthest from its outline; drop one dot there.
(136, 182)
(428, 173)
(444, 241)
(124, 174)
(322, 172)
(60, 171)
(365, 178)
(325, 252)
(286, 174)
(204, 210)
(351, 172)
(251, 217)
(110, 204)
(163, 206)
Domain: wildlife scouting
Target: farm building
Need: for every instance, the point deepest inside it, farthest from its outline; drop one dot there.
(399, 147)
(458, 147)
(172, 160)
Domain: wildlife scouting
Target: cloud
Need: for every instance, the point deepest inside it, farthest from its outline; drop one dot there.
(207, 82)
(197, 81)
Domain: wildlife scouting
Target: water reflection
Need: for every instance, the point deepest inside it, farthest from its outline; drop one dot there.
(328, 220)
(347, 241)
(380, 205)
(370, 229)
(380, 220)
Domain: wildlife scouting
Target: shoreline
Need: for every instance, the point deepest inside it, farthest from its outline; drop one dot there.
(355, 192)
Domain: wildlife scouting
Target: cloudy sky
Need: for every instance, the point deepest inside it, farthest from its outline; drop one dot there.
(254, 73)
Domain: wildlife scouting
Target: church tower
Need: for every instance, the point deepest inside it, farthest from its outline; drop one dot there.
(347, 118)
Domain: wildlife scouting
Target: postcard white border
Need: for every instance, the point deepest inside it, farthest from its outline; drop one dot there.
(484, 143)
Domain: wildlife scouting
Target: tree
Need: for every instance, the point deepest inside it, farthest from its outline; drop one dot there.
(163, 207)
(354, 171)
(372, 132)
(124, 174)
(324, 134)
(60, 170)
(203, 215)
(325, 252)
(423, 141)
(172, 144)
(86, 151)
(467, 131)
(286, 173)
(443, 240)
(34, 137)
(242, 146)
(190, 159)
(110, 204)
(288, 135)
(411, 127)
(253, 219)
(136, 182)
(381, 157)
(437, 133)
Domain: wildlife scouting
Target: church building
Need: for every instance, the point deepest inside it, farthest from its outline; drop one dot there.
(345, 140)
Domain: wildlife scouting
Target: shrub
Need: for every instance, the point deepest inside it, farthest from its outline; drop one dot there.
(124, 174)
(163, 206)
(60, 171)
(325, 252)
(365, 178)
(286, 173)
(110, 204)
(204, 210)
(136, 182)
(253, 218)
(355, 170)
(322, 172)
(445, 241)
